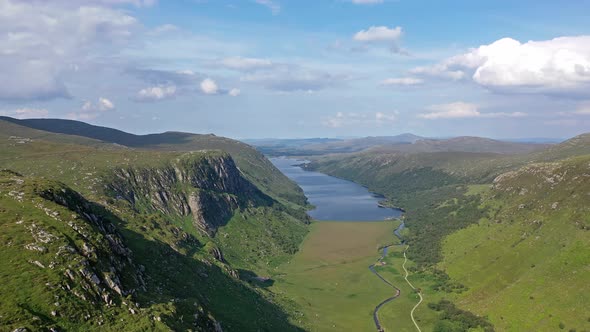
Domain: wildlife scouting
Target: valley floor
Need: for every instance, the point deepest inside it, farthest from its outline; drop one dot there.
(331, 283)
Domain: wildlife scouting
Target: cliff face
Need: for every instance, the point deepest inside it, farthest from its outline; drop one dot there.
(204, 185)
(65, 255)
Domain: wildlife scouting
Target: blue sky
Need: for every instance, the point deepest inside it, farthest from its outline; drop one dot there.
(280, 68)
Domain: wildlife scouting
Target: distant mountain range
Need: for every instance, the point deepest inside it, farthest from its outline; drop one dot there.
(406, 142)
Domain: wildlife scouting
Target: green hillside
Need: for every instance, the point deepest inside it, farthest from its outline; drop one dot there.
(192, 227)
(527, 264)
(252, 163)
(499, 234)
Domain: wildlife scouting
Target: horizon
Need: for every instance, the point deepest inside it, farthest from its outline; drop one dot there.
(534, 140)
(273, 68)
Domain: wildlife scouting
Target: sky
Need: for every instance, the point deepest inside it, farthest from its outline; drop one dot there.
(301, 68)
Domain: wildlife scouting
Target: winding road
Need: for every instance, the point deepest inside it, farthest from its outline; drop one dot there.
(397, 290)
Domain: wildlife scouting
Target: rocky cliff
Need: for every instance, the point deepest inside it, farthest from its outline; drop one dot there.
(206, 186)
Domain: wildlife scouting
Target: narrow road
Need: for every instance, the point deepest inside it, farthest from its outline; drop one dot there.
(397, 290)
(414, 288)
(387, 300)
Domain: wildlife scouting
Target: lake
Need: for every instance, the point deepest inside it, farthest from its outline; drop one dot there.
(334, 198)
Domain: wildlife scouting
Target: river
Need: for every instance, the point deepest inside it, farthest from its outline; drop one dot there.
(334, 198)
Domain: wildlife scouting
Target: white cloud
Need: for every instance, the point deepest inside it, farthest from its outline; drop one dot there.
(381, 34)
(240, 63)
(209, 87)
(556, 66)
(366, 2)
(26, 113)
(346, 119)
(156, 93)
(105, 104)
(90, 110)
(378, 33)
(272, 5)
(402, 81)
(40, 41)
(381, 117)
(462, 110)
(441, 70)
(234, 92)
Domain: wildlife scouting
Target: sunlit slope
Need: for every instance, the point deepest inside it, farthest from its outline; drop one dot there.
(527, 266)
(178, 211)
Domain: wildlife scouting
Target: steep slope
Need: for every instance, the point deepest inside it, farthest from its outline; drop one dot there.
(527, 264)
(65, 265)
(199, 229)
(251, 162)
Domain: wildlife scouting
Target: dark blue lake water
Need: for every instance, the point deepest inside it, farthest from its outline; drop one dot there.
(335, 199)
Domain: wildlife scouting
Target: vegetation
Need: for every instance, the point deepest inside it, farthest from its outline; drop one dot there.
(170, 215)
(498, 235)
(329, 280)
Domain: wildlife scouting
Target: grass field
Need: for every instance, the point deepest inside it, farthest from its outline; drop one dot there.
(330, 282)
(329, 277)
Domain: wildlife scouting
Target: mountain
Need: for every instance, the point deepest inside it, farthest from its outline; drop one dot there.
(318, 146)
(475, 144)
(161, 234)
(251, 162)
(407, 143)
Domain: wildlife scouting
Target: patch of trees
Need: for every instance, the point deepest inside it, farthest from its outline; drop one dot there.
(453, 319)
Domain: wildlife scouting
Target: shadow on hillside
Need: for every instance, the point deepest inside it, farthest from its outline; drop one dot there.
(188, 282)
(254, 279)
(72, 127)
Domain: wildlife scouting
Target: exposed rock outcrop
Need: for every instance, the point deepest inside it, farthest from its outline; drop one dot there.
(205, 185)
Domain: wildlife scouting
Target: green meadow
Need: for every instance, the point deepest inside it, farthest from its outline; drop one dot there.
(332, 286)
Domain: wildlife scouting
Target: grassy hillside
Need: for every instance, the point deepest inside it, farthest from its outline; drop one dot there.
(527, 264)
(252, 163)
(494, 247)
(197, 228)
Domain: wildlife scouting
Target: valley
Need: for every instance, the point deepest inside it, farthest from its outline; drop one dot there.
(294, 166)
(204, 232)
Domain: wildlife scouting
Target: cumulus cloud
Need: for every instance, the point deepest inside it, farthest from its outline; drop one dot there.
(209, 87)
(234, 92)
(462, 110)
(402, 81)
(381, 34)
(105, 104)
(556, 66)
(40, 41)
(245, 64)
(156, 93)
(92, 110)
(26, 113)
(378, 33)
(272, 5)
(345, 119)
